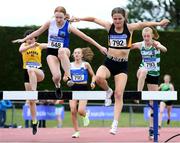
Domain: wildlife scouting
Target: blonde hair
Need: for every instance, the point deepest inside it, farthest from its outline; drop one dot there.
(63, 10)
(153, 30)
(87, 54)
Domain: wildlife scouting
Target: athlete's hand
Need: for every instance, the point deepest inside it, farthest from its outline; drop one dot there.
(155, 44)
(35, 44)
(103, 50)
(164, 22)
(18, 41)
(74, 19)
(93, 85)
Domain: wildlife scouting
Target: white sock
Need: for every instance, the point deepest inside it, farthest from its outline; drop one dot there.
(115, 123)
(109, 89)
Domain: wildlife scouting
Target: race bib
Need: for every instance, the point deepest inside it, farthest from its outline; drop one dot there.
(55, 42)
(78, 78)
(150, 63)
(32, 65)
(118, 40)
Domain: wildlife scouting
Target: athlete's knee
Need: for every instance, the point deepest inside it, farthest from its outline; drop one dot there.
(143, 73)
(81, 112)
(61, 53)
(30, 71)
(99, 79)
(32, 102)
(118, 95)
(73, 111)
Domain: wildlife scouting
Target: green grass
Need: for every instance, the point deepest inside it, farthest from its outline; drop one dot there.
(137, 120)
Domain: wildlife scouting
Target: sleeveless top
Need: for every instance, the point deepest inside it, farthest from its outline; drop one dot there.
(150, 60)
(32, 58)
(79, 74)
(165, 87)
(119, 40)
(58, 37)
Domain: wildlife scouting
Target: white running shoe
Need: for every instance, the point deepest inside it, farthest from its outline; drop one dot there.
(114, 127)
(76, 134)
(86, 121)
(113, 130)
(108, 100)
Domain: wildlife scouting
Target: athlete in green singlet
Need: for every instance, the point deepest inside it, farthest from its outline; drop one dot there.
(166, 86)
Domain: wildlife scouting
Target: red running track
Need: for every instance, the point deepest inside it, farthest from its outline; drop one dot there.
(63, 135)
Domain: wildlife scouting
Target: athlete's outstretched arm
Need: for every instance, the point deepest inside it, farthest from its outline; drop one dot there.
(98, 21)
(87, 38)
(25, 47)
(141, 25)
(34, 34)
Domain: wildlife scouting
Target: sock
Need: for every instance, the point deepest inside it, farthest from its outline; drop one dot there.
(115, 123)
(109, 89)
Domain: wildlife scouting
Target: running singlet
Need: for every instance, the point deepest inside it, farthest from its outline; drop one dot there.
(32, 58)
(58, 37)
(79, 74)
(165, 87)
(119, 40)
(150, 60)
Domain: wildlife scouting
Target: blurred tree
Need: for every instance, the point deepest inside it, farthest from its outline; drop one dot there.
(148, 10)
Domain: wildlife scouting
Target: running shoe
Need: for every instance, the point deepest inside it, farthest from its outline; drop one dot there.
(76, 134)
(151, 133)
(34, 127)
(168, 121)
(108, 100)
(86, 121)
(114, 128)
(58, 93)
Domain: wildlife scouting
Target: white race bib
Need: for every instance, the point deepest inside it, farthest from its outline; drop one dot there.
(118, 43)
(55, 42)
(32, 65)
(78, 78)
(150, 65)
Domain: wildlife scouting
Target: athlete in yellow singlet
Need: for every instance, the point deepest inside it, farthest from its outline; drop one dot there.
(31, 56)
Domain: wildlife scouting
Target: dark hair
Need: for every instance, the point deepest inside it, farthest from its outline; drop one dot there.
(27, 32)
(121, 11)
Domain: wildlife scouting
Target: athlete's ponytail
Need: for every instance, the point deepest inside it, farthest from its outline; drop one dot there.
(67, 17)
(87, 54)
(155, 33)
